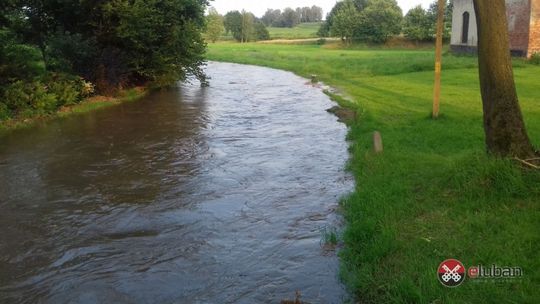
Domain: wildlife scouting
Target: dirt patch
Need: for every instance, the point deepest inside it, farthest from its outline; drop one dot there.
(345, 115)
(297, 300)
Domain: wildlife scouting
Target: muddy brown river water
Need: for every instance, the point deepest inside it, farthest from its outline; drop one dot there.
(191, 195)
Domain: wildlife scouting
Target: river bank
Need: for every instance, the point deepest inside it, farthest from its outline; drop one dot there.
(87, 105)
(433, 194)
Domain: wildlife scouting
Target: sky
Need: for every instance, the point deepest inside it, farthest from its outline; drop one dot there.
(258, 7)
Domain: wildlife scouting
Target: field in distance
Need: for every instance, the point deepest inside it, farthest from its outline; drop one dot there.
(301, 31)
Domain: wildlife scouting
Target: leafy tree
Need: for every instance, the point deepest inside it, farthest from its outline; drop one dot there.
(310, 14)
(261, 32)
(233, 24)
(324, 30)
(245, 27)
(271, 17)
(432, 16)
(248, 26)
(315, 14)
(416, 24)
(380, 20)
(345, 21)
(289, 18)
(153, 40)
(214, 25)
(118, 43)
(18, 61)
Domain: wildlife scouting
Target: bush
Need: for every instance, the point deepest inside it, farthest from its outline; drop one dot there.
(535, 58)
(67, 89)
(4, 112)
(65, 92)
(18, 61)
(27, 98)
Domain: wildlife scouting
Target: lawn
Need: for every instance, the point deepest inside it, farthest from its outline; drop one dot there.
(301, 31)
(433, 194)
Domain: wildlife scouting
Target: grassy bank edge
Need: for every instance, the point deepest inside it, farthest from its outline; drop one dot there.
(87, 105)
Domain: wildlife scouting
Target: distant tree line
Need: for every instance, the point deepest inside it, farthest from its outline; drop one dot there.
(291, 17)
(54, 52)
(378, 20)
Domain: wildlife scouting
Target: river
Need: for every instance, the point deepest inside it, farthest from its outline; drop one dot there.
(190, 195)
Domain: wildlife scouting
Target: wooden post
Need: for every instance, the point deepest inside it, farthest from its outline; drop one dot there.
(438, 59)
(377, 142)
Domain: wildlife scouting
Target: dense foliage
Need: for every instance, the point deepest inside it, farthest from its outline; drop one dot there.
(365, 20)
(416, 24)
(421, 25)
(53, 52)
(291, 17)
(245, 27)
(214, 25)
(324, 31)
(378, 20)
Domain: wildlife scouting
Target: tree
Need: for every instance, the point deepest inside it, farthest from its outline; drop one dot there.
(345, 21)
(271, 17)
(324, 30)
(503, 121)
(260, 31)
(233, 24)
(432, 16)
(380, 20)
(150, 40)
(248, 26)
(117, 43)
(289, 18)
(416, 24)
(316, 14)
(214, 25)
(245, 27)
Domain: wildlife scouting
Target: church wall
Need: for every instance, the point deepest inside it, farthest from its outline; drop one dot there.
(534, 37)
(519, 21)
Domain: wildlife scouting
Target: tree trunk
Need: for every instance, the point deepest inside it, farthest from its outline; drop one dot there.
(503, 121)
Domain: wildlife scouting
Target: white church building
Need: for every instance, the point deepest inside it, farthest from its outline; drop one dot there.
(523, 25)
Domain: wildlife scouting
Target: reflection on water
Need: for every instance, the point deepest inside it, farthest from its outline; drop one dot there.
(192, 195)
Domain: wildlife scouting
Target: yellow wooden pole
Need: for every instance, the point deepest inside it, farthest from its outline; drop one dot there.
(438, 59)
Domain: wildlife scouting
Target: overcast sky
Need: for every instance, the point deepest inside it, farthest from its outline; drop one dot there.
(258, 7)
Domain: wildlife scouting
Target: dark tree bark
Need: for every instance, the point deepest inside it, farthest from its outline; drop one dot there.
(503, 121)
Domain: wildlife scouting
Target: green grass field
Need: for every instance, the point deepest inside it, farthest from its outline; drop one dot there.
(301, 31)
(433, 194)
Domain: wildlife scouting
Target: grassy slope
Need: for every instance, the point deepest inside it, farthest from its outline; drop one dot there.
(433, 194)
(303, 30)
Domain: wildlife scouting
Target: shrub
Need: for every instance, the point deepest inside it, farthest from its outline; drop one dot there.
(66, 93)
(88, 89)
(321, 41)
(535, 58)
(4, 112)
(29, 97)
(18, 61)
